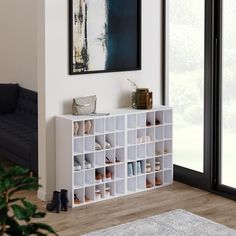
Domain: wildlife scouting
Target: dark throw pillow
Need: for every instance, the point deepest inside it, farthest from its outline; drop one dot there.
(8, 97)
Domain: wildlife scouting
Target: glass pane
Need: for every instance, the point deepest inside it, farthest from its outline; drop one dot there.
(186, 80)
(229, 95)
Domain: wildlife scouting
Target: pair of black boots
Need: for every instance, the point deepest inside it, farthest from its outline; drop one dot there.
(59, 201)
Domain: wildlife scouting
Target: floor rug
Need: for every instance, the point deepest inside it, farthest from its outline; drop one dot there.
(178, 222)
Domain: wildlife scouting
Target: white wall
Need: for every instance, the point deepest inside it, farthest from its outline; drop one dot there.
(59, 88)
(18, 42)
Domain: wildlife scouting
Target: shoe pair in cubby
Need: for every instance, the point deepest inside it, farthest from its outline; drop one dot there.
(98, 192)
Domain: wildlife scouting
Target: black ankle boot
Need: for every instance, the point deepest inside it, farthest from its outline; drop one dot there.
(64, 200)
(55, 205)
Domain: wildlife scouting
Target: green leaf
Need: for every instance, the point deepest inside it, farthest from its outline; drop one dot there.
(39, 215)
(2, 203)
(20, 213)
(30, 208)
(44, 227)
(14, 227)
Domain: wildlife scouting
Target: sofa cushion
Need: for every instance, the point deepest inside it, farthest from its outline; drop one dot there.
(8, 97)
(16, 135)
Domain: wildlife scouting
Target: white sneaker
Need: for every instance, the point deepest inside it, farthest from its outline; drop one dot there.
(87, 165)
(77, 166)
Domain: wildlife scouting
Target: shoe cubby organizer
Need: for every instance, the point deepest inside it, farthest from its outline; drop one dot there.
(103, 157)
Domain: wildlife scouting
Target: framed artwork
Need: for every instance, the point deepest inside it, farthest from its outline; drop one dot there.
(104, 36)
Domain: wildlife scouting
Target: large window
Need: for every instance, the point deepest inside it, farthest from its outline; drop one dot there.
(186, 80)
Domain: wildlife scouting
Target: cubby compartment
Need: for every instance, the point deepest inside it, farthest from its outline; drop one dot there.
(159, 149)
(168, 177)
(131, 119)
(89, 161)
(120, 171)
(141, 120)
(120, 123)
(150, 150)
(159, 179)
(150, 119)
(99, 159)
(159, 133)
(167, 131)
(110, 157)
(141, 183)
(120, 187)
(88, 127)
(131, 153)
(150, 165)
(140, 167)
(99, 192)
(120, 139)
(168, 116)
(132, 137)
(78, 146)
(141, 136)
(99, 175)
(168, 164)
(78, 180)
(89, 144)
(131, 169)
(110, 173)
(150, 181)
(167, 147)
(110, 189)
(79, 196)
(89, 177)
(159, 164)
(110, 124)
(78, 163)
(150, 135)
(120, 155)
(159, 118)
(110, 141)
(89, 194)
(131, 184)
(99, 142)
(99, 126)
(141, 151)
(78, 128)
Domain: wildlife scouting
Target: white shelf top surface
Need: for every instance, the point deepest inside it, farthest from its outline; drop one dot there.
(114, 112)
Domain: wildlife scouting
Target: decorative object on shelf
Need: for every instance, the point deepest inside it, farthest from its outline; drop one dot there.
(87, 126)
(84, 105)
(141, 98)
(115, 42)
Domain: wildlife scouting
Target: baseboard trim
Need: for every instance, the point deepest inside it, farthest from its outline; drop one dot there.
(43, 196)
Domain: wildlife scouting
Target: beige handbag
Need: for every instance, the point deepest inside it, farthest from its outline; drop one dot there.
(84, 105)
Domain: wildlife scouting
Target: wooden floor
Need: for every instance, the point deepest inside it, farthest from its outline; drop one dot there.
(121, 210)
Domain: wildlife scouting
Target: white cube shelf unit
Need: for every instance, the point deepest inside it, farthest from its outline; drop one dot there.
(137, 158)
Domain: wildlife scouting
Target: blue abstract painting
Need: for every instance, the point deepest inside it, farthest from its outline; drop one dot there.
(105, 35)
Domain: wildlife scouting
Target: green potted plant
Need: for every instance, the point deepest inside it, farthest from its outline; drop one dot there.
(16, 212)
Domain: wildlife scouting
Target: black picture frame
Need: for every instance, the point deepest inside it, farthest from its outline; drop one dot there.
(136, 43)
